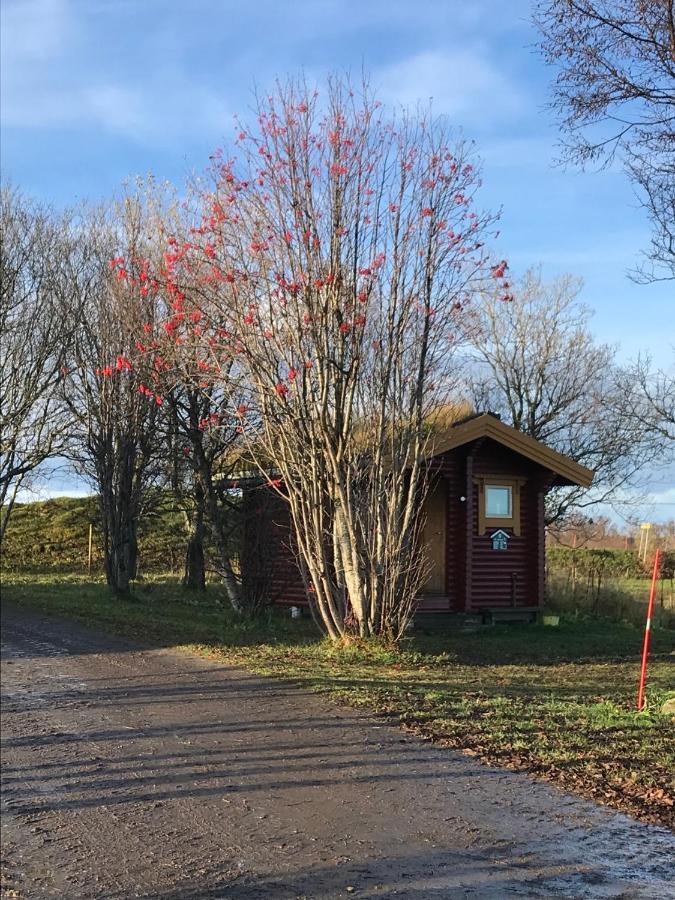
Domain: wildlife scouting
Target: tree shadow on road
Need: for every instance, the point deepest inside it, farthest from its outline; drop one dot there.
(494, 871)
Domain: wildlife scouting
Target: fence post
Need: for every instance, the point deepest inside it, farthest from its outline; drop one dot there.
(648, 629)
(91, 536)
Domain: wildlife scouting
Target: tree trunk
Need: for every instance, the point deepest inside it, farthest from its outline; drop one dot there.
(348, 562)
(6, 506)
(122, 565)
(120, 541)
(232, 585)
(194, 577)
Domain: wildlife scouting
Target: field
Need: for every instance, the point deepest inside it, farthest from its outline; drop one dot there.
(556, 702)
(619, 598)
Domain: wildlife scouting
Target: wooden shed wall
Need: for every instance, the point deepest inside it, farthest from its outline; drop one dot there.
(449, 468)
(506, 578)
(287, 587)
(477, 577)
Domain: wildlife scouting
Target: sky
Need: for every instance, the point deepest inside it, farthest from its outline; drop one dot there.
(94, 92)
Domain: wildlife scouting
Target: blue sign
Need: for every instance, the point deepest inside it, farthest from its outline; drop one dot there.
(500, 540)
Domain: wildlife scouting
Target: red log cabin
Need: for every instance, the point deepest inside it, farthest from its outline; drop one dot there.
(484, 529)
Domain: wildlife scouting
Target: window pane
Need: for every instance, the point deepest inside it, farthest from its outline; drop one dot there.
(497, 501)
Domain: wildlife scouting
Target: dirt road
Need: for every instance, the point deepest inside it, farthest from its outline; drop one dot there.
(132, 772)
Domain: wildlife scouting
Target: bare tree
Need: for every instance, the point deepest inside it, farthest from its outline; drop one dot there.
(615, 95)
(335, 257)
(536, 363)
(110, 385)
(35, 337)
(648, 396)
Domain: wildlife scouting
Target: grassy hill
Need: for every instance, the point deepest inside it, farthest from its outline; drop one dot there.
(52, 536)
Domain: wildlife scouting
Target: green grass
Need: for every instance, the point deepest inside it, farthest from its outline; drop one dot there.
(554, 701)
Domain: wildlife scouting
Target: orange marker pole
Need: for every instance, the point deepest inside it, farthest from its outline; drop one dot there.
(648, 631)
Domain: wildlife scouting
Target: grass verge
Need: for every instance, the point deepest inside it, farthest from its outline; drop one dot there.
(556, 702)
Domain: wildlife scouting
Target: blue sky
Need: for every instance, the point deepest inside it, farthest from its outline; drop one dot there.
(96, 91)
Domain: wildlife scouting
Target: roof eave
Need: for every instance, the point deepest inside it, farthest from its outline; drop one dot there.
(570, 472)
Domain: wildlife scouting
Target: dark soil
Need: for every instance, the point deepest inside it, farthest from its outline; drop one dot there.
(138, 772)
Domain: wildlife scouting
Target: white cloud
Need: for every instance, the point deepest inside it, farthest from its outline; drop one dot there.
(149, 114)
(35, 31)
(53, 78)
(110, 106)
(115, 107)
(463, 83)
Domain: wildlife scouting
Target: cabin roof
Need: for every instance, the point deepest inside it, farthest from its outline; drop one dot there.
(487, 425)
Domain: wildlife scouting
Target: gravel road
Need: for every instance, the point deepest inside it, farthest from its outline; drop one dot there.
(140, 772)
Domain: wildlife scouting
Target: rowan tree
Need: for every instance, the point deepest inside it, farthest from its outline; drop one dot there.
(190, 456)
(204, 435)
(201, 429)
(615, 95)
(335, 254)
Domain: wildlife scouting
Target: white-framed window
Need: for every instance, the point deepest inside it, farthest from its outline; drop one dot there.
(498, 501)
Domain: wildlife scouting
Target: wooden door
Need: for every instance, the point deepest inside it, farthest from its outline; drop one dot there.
(434, 537)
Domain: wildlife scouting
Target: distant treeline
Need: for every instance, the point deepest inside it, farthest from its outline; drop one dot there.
(608, 563)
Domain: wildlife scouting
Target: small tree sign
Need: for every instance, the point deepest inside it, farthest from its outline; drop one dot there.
(500, 540)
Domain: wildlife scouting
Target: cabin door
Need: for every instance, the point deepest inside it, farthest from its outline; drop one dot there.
(435, 507)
